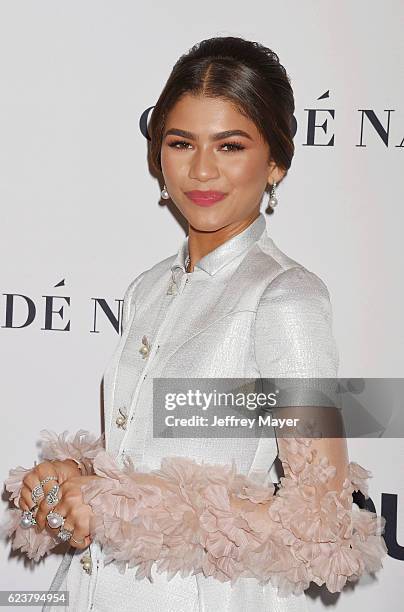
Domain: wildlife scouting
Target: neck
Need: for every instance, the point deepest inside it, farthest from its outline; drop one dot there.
(201, 243)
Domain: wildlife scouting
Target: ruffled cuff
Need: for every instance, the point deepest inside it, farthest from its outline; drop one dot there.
(187, 522)
(81, 448)
(317, 534)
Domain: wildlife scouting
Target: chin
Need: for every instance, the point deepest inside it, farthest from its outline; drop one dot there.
(207, 219)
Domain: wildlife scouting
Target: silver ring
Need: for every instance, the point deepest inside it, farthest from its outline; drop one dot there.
(37, 493)
(52, 497)
(55, 520)
(64, 534)
(47, 479)
(27, 519)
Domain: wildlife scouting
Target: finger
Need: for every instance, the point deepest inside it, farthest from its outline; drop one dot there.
(31, 478)
(66, 469)
(43, 510)
(80, 537)
(81, 543)
(30, 481)
(61, 509)
(42, 513)
(50, 485)
(47, 475)
(25, 502)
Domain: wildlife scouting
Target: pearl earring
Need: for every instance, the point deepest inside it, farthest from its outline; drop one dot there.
(273, 200)
(164, 193)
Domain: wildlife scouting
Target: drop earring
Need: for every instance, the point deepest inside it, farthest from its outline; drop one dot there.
(164, 193)
(273, 200)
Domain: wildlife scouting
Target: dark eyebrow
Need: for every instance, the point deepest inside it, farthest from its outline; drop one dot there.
(218, 136)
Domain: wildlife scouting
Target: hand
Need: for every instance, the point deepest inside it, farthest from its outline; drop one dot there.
(72, 508)
(61, 469)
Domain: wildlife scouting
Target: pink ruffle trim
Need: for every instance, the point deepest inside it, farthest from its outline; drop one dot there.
(82, 448)
(187, 524)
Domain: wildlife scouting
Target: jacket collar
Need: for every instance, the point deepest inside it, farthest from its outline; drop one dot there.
(223, 254)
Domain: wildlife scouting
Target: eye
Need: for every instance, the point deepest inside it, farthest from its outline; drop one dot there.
(234, 146)
(174, 144)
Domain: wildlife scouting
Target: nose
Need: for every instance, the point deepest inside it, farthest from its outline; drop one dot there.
(203, 166)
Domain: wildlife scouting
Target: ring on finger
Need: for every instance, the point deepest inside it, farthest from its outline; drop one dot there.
(37, 493)
(55, 520)
(64, 534)
(52, 497)
(47, 479)
(27, 519)
(79, 541)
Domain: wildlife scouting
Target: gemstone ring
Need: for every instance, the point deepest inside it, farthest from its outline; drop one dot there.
(55, 520)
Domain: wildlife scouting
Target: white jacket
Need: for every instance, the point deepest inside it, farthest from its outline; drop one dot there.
(246, 311)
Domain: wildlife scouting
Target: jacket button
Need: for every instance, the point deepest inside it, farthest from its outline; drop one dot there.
(172, 288)
(121, 420)
(86, 563)
(145, 348)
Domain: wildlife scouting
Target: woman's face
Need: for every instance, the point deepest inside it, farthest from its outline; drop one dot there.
(196, 157)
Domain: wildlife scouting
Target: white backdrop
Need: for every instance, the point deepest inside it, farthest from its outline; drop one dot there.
(80, 212)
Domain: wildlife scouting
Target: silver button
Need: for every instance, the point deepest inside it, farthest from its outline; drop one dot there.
(145, 348)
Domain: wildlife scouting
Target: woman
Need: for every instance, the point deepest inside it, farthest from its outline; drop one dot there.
(229, 304)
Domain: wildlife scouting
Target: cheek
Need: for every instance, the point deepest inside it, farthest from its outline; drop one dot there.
(171, 163)
(246, 170)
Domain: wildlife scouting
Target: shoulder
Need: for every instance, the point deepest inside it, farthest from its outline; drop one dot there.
(296, 301)
(294, 326)
(289, 279)
(297, 284)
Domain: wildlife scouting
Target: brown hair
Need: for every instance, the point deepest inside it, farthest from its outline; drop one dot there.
(243, 72)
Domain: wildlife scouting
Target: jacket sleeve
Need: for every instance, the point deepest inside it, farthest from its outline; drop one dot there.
(190, 518)
(293, 327)
(296, 352)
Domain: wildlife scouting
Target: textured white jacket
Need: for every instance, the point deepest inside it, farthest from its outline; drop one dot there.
(247, 310)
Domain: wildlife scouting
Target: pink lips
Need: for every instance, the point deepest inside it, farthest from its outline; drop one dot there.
(205, 198)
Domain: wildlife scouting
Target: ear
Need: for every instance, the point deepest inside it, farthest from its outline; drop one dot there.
(276, 174)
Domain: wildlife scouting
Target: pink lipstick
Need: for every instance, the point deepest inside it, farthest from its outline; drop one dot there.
(205, 198)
